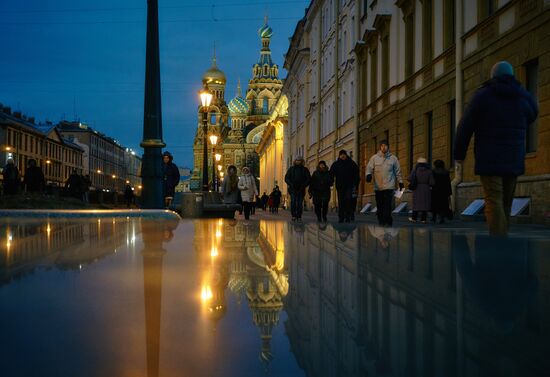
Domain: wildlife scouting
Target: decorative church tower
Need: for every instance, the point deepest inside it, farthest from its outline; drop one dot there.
(264, 89)
(218, 119)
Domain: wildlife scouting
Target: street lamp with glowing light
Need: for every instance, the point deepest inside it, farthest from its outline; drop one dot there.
(206, 99)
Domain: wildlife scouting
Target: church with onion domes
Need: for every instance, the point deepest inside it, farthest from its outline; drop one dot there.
(239, 123)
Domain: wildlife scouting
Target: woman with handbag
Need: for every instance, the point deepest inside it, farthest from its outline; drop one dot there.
(421, 181)
(247, 187)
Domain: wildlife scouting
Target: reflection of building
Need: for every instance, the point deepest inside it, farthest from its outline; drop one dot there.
(249, 260)
(65, 244)
(132, 166)
(240, 123)
(22, 140)
(391, 303)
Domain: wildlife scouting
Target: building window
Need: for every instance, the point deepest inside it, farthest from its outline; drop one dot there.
(365, 7)
(448, 23)
(385, 63)
(486, 8)
(266, 106)
(531, 84)
(429, 136)
(373, 73)
(409, 45)
(427, 20)
(410, 128)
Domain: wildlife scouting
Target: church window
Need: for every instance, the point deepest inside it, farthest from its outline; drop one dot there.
(265, 70)
(266, 105)
(212, 118)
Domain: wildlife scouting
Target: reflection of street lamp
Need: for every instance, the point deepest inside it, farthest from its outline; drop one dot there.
(217, 158)
(206, 99)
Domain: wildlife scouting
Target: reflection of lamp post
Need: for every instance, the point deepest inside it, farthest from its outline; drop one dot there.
(206, 99)
(213, 141)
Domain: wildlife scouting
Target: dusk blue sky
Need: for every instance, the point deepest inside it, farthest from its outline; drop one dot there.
(67, 58)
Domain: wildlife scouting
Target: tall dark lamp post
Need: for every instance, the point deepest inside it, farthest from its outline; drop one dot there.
(152, 144)
(206, 99)
(213, 141)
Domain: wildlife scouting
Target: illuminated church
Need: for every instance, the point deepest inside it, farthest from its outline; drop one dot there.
(240, 123)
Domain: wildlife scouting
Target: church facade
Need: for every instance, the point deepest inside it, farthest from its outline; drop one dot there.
(239, 124)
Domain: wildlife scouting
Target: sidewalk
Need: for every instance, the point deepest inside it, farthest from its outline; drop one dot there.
(400, 221)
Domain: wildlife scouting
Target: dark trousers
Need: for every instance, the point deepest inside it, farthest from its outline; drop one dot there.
(296, 204)
(321, 207)
(384, 199)
(345, 202)
(247, 208)
(498, 194)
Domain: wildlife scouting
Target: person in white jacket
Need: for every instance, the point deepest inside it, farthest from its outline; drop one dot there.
(247, 185)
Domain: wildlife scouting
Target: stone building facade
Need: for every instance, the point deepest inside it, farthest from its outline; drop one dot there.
(22, 139)
(415, 82)
(321, 83)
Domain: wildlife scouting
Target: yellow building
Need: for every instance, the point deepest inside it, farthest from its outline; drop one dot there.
(271, 148)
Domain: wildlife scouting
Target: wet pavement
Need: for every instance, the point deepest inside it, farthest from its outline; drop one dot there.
(163, 297)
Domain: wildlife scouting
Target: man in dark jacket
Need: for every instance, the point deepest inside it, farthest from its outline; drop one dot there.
(498, 114)
(34, 177)
(346, 174)
(319, 189)
(171, 175)
(297, 178)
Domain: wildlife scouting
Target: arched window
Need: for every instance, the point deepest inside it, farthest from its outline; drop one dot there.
(266, 106)
(212, 118)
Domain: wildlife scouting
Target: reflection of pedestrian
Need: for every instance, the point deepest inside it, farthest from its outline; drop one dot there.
(345, 231)
(441, 192)
(171, 178)
(297, 178)
(319, 189)
(34, 177)
(346, 176)
(129, 195)
(384, 169)
(230, 189)
(384, 235)
(499, 278)
(74, 185)
(421, 182)
(498, 114)
(11, 178)
(247, 185)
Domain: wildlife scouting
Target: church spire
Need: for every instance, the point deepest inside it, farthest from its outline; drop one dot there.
(239, 94)
(214, 56)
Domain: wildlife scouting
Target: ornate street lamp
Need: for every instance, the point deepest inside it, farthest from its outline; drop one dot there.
(213, 141)
(206, 99)
(218, 157)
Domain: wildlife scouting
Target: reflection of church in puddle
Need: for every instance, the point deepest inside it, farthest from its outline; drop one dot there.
(64, 244)
(250, 261)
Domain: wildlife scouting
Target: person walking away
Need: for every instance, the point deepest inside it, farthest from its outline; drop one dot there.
(230, 189)
(34, 178)
(319, 189)
(346, 175)
(74, 185)
(129, 195)
(86, 183)
(441, 192)
(171, 175)
(422, 180)
(247, 185)
(297, 178)
(277, 195)
(384, 169)
(11, 178)
(264, 200)
(498, 114)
